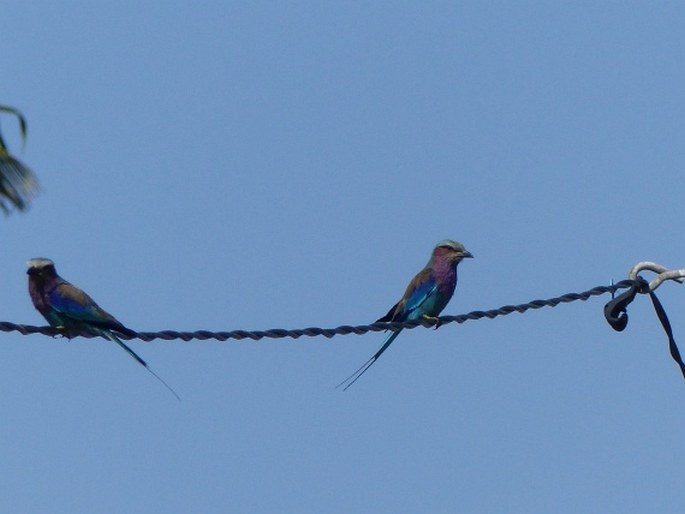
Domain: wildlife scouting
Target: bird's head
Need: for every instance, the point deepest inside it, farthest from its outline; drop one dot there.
(452, 250)
(41, 268)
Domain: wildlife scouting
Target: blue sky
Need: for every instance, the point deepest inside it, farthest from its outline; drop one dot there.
(256, 165)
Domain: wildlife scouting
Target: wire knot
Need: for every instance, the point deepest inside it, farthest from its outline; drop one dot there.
(616, 312)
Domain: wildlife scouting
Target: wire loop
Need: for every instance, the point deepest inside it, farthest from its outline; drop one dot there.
(663, 273)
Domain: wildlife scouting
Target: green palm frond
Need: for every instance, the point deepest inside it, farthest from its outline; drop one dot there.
(18, 184)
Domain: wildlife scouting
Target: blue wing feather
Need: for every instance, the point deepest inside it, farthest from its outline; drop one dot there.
(418, 302)
(72, 304)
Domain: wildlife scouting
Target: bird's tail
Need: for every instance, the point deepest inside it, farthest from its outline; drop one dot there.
(357, 374)
(109, 335)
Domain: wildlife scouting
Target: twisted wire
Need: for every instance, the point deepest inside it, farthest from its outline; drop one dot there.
(280, 333)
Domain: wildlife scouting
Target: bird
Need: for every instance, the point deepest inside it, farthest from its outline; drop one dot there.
(72, 312)
(426, 296)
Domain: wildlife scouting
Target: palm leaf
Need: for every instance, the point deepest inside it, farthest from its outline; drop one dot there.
(18, 184)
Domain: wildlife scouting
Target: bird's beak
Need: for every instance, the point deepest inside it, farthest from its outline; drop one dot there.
(466, 255)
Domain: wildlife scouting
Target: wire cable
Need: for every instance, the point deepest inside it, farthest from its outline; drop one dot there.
(280, 333)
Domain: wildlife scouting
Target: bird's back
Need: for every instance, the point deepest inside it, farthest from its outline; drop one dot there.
(79, 310)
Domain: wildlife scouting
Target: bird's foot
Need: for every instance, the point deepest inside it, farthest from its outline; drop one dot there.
(434, 319)
(63, 332)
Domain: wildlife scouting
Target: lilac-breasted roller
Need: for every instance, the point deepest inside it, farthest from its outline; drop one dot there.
(426, 296)
(73, 312)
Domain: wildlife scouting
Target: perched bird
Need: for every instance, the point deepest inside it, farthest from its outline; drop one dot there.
(73, 312)
(426, 296)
